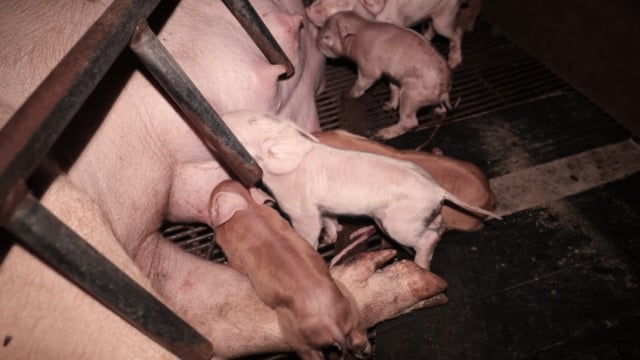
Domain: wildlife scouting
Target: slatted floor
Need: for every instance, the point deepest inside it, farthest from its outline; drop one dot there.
(558, 277)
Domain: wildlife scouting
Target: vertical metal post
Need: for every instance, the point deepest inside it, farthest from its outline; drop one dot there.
(255, 27)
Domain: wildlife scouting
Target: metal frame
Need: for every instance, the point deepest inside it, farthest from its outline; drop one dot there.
(38, 123)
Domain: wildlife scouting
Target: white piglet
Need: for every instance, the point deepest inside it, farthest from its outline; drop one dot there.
(313, 183)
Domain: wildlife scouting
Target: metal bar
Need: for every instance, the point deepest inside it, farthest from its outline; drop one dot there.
(198, 112)
(64, 250)
(255, 27)
(38, 123)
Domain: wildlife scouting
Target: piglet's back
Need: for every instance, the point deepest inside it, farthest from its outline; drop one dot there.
(396, 50)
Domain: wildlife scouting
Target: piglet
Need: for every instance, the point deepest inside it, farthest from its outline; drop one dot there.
(441, 13)
(418, 75)
(313, 182)
(463, 179)
(286, 272)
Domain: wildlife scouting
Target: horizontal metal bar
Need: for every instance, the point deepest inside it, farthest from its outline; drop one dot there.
(65, 251)
(38, 123)
(197, 111)
(258, 31)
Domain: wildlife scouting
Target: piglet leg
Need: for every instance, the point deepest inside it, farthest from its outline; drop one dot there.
(308, 226)
(446, 26)
(394, 97)
(331, 228)
(426, 246)
(409, 105)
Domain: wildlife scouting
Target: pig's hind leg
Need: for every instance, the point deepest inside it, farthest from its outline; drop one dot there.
(394, 97)
(426, 245)
(411, 227)
(410, 100)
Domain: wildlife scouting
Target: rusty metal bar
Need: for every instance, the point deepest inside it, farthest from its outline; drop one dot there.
(255, 27)
(198, 112)
(38, 123)
(64, 250)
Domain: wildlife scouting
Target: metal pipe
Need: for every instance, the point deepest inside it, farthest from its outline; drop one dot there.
(197, 111)
(255, 27)
(64, 250)
(38, 123)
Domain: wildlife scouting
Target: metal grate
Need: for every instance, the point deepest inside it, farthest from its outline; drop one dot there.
(495, 74)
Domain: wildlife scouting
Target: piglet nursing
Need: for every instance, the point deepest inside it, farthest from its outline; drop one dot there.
(312, 181)
(286, 273)
(418, 75)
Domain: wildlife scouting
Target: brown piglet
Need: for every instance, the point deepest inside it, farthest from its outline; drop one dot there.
(313, 310)
(418, 75)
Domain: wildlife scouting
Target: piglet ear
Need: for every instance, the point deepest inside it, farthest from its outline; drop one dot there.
(283, 154)
(374, 6)
(224, 205)
(343, 27)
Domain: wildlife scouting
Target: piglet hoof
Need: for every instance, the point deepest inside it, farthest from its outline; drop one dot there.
(391, 132)
(384, 292)
(355, 92)
(437, 151)
(328, 239)
(454, 61)
(390, 105)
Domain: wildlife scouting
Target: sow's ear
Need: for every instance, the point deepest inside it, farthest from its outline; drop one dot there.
(224, 205)
(283, 154)
(374, 6)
